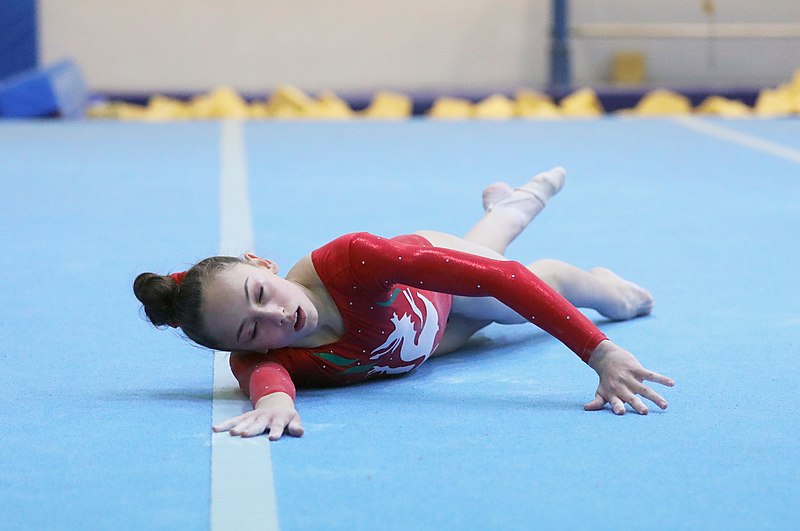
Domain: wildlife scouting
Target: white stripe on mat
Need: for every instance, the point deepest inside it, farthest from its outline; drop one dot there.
(743, 139)
(242, 489)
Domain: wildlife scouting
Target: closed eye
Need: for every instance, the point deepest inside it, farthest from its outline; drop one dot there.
(255, 331)
(261, 295)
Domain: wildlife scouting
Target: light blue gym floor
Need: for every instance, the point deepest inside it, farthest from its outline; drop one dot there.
(106, 421)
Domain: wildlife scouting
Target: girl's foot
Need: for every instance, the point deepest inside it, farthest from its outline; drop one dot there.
(625, 299)
(495, 192)
(519, 206)
(531, 196)
(509, 211)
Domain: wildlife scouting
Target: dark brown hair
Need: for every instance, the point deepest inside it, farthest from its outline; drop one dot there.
(167, 302)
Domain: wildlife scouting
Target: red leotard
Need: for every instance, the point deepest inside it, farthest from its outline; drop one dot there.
(394, 297)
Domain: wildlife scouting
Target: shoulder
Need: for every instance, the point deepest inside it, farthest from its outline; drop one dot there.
(320, 269)
(338, 246)
(337, 254)
(353, 238)
(308, 269)
(364, 241)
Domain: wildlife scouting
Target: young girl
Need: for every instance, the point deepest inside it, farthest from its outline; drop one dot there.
(363, 306)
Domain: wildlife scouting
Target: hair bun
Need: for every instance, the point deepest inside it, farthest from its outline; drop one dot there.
(157, 293)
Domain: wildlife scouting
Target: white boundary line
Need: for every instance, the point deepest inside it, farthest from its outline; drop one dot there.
(242, 488)
(743, 139)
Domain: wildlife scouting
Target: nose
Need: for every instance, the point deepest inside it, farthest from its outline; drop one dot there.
(274, 315)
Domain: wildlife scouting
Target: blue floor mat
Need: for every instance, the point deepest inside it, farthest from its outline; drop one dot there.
(107, 420)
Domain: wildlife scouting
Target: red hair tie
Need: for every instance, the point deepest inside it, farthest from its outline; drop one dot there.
(178, 278)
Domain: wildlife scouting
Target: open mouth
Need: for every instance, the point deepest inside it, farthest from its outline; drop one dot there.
(299, 319)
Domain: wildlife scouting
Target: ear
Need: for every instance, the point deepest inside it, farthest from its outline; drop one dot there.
(261, 262)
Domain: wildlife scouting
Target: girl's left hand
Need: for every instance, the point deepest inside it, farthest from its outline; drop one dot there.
(621, 379)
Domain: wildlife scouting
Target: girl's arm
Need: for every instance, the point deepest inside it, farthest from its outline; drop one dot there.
(382, 261)
(258, 377)
(272, 393)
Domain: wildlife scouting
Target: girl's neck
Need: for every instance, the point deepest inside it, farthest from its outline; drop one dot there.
(330, 326)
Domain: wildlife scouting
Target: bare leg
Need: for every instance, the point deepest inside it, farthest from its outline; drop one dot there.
(509, 211)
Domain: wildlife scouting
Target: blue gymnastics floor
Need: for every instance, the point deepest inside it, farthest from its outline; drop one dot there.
(107, 420)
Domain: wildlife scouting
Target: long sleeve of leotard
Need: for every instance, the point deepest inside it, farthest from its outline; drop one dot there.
(259, 378)
(379, 261)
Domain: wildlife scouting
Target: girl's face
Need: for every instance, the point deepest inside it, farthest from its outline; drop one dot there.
(248, 307)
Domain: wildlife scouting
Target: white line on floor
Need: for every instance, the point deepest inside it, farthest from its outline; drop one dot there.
(743, 139)
(242, 488)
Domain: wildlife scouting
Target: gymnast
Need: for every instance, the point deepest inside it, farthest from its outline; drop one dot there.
(364, 306)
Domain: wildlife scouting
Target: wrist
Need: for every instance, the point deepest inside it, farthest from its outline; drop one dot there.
(278, 397)
(599, 353)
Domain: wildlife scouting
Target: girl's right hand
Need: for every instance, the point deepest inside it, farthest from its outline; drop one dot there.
(274, 413)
